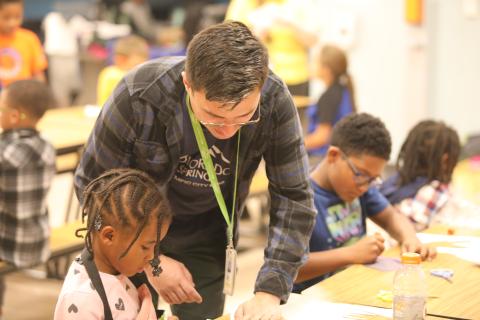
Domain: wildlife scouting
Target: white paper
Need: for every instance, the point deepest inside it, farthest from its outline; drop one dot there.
(463, 247)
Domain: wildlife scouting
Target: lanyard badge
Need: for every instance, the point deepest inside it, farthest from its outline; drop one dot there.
(231, 253)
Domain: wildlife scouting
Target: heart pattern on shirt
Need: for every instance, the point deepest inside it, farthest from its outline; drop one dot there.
(75, 271)
(119, 305)
(73, 308)
(127, 287)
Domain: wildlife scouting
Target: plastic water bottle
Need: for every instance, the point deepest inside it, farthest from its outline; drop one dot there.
(409, 289)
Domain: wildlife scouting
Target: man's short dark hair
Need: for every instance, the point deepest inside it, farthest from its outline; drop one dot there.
(361, 133)
(226, 61)
(30, 96)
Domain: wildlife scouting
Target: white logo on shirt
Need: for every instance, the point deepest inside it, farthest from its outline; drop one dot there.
(191, 171)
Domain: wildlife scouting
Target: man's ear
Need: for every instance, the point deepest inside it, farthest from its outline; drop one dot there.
(185, 81)
(333, 154)
(107, 235)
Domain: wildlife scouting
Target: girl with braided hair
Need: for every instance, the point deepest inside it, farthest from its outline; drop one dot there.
(424, 166)
(127, 216)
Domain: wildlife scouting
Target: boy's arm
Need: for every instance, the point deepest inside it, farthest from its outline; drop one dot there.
(319, 137)
(400, 228)
(366, 250)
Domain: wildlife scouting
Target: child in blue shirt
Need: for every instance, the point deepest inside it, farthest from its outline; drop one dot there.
(345, 196)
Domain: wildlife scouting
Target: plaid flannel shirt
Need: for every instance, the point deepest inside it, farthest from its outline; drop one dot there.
(27, 167)
(141, 126)
(426, 203)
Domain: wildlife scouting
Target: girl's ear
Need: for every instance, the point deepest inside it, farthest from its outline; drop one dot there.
(108, 235)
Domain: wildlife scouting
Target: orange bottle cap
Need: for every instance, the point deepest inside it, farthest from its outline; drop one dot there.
(411, 258)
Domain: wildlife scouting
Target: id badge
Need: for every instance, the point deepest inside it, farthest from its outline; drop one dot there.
(230, 271)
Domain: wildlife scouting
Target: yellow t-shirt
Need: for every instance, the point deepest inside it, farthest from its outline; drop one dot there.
(108, 79)
(21, 56)
(288, 56)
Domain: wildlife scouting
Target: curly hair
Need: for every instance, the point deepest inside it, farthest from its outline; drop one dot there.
(361, 133)
(423, 153)
(31, 96)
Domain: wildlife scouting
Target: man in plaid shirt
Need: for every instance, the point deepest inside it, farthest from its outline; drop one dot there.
(27, 167)
(146, 125)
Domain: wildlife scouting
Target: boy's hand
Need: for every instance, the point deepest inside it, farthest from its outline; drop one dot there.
(175, 284)
(414, 245)
(147, 311)
(367, 249)
(263, 306)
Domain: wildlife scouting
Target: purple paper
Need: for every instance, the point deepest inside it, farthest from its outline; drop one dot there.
(385, 264)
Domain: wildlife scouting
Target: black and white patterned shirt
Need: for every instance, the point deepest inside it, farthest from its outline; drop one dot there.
(27, 167)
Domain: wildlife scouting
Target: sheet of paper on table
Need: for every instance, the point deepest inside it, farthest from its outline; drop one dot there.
(463, 247)
(302, 307)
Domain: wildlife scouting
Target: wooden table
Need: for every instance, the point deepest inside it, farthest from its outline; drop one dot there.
(68, 130)
(67, 127)
(359, 284)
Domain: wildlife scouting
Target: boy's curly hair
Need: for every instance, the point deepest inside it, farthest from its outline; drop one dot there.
(362, 133)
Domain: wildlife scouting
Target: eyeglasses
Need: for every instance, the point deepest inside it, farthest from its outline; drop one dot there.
(220, 124)
(359, 177)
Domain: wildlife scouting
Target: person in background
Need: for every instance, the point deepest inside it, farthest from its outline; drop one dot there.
(420, 187)
(288, 29)
(27, 168)
(128, 52)
(127, 217)
(345, 195)
(219, 103)
(336, 102)
(21, 53)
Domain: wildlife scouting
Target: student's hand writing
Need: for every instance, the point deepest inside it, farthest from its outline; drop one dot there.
(263, 306)
(367, 249)
(147, 310)
(175, 284)
(414, 245)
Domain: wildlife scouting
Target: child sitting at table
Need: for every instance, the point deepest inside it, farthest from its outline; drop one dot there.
(27, 168)
(128, 52)
(345, 195)
(127, 217)
(420, 188)
(336, 102)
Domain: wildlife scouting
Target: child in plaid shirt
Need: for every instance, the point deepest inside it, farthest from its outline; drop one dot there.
(425, 165)
(27, 167)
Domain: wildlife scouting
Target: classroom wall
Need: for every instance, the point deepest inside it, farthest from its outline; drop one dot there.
(454, 67)
(404, 73)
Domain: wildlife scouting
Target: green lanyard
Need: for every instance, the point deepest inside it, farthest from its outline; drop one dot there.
(207, 160)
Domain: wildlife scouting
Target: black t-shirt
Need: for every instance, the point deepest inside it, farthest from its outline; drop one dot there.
(189, 191)
(329, 103)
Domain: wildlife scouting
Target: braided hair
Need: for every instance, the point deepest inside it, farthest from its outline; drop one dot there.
(423, 153)
(120, 197)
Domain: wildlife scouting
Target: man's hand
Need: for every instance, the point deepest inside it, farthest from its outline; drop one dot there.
(367, 249)
(263, 306)
(414, 245)
(175, 284)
